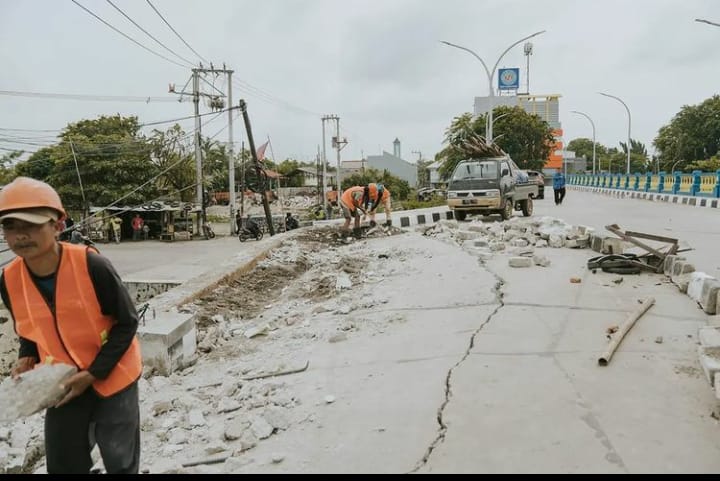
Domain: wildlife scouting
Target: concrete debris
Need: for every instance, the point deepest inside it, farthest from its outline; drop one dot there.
(575, 280)
(329, 399)
(34, 391)
(277, 458)
(339, 337)
(659, 340)
(520, 262)
(541, 261)
(612, 329)
(343, 282)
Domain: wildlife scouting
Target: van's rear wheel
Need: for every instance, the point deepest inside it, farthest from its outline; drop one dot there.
(527, 207)
(459, 215)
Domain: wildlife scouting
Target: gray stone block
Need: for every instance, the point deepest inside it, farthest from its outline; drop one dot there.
(669, 262)
(520, 262)
(710, 362)
(612, 245)
(709, 336)
(709, 295)
(596, 242)
(682, 282)
(36, 390)
(168, 342)
(682, 267)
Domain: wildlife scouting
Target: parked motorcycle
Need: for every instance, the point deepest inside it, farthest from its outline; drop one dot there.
(246, 234)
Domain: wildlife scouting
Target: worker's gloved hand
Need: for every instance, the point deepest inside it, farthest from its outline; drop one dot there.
(373, 223)
(388, 223)
(357, 232)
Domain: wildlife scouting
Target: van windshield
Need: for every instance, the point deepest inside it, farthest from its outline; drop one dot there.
(476, 170)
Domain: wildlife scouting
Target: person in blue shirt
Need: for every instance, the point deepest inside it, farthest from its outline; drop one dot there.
(559, 186)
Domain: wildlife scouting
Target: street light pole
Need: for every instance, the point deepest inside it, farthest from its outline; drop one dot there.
(490, 75)
(593, 129)
(492, 140)
(629, 125)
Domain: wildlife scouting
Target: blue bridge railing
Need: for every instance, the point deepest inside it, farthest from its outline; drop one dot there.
(696, 184)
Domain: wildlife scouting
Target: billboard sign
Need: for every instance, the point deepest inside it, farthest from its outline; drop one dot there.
(509, 78)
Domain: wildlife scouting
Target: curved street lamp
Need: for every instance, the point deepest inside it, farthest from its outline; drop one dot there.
(490, 75)
(629, 125)
(593, 129)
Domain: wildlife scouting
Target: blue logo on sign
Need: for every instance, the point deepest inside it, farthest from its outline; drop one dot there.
(509, 78)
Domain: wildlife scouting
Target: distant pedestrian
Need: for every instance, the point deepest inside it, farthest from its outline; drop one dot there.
(559, 186)
(117, 228)
(137, 227)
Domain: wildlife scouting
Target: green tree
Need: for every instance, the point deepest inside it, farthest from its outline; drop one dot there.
(399, 188)
(424, 172)
(526, 138)
(693, 134)
(174, 159)
(40, 165)
(583, 147)
(7, 168)
(113, 159)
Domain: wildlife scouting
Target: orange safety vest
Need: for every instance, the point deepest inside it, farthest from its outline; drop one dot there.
(77, 330)
(351, 199)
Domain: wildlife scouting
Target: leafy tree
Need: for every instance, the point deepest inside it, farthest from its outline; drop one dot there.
(526, 138)
(583, 147)
(39, 165)
(399, 188)
(693, 134)
(113, 159)
(7, 169)
(424, 172)
(171, 152)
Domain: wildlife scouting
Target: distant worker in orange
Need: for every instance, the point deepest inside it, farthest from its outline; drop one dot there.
(351, 203)
(378, 194)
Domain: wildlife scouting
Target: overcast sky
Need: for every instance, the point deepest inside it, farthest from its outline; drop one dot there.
(377, 64)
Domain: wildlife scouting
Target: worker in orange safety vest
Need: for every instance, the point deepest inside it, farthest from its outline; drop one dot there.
(69, 306)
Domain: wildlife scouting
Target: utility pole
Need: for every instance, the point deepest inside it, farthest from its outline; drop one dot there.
(198, 151)
(258, 170)
(319, 172)
(231, 153)
(242, 180)
(419, 161)
(324, 171)
(338, 144)
(216, 103)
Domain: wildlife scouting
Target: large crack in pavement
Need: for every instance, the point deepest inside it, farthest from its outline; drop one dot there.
(442, 431)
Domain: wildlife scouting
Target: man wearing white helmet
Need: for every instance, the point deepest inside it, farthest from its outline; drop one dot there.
(69, 306)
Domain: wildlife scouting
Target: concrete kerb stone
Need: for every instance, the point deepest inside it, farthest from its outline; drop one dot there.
(695, 287)
(669, 262)
(710, 362)
(709, 296)
(168, 336)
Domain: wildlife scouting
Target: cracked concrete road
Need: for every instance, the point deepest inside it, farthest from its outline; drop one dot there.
(531, 398)
(495, 369)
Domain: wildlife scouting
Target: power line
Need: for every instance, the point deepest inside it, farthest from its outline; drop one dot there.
(175, 32)
(149, 34)
(129, 37)
(90, 97)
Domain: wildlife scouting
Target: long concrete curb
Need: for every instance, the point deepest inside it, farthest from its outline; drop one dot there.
(406, 218)
(708, 202)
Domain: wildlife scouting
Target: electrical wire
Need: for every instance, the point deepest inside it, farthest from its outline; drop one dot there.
(176, 33)
(148, 33)
(90, 97)
(129, 37)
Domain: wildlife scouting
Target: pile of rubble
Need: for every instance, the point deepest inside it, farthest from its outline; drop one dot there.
(519, 237)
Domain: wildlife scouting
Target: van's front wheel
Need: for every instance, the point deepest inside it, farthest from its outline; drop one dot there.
(507, 210)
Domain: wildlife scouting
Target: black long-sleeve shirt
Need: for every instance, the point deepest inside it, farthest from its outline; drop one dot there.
(114, 301)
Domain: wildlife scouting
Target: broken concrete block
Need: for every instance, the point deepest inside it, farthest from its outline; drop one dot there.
(697, 279)
(709, 295)
(519, 242)
(555, 241)
(669, 262)
(541, 261)
(710, 362)
(612, 245)
(481, 243)
(717, 385)
(709, 336)
(527, 251)
(343, 282)
(682, 267)
(34, 391)
(497, 246)
(541, 243)
(520, 262)
(596, 242)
